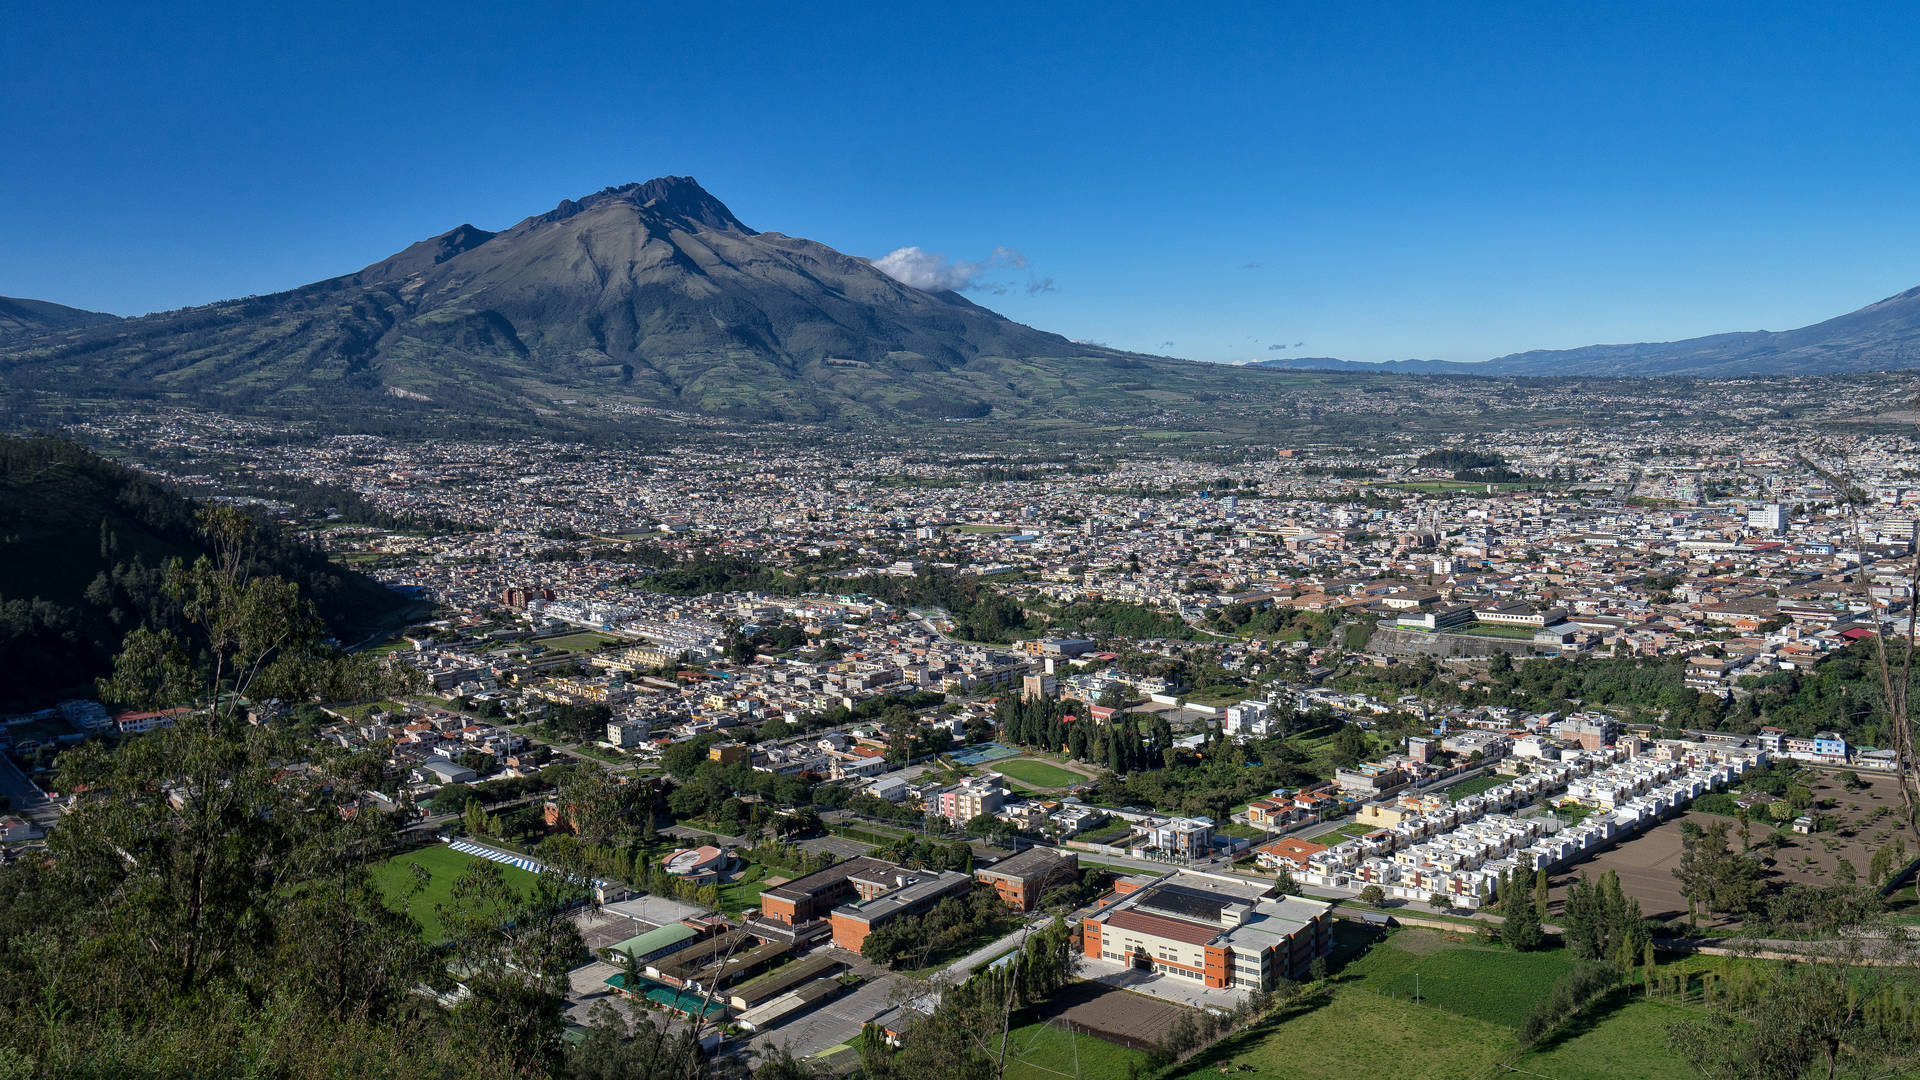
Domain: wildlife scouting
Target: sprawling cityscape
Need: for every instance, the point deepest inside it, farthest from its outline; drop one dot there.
(1248, 541)
(873, 717)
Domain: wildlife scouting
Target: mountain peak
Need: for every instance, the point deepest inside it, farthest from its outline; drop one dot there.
(678, 198)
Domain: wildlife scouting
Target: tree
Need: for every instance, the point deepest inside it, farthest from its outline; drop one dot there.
(1880, 867)
(1373, 895)
(1841, 1010)
(1440, 901)
(619, 1047)
(1713, 876)
(1283, 883)
(261, 637)
(1520, 930)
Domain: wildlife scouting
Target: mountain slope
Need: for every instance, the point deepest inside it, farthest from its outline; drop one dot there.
(1883, 336)
(652, 294)
(20, 317)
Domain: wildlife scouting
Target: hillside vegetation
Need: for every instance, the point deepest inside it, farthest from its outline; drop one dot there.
(83, 544)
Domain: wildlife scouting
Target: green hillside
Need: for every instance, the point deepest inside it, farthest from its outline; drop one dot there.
(83, 544)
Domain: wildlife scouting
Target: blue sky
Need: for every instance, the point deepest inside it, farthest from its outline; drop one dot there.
(1368, 181)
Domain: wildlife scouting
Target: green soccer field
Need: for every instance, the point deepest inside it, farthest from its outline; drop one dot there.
(1037, 773)
(579, 643)
(1039, 1051)
(395, 879)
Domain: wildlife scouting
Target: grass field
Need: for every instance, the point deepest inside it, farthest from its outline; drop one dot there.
(394, 878)
(578, 643)
(1624, 1042)
(1498, 630)
(1350, 831)
(1041, 1052)
(1241, 830)
(744, 890)
(1493, 985)
(1037, 773)
(1476, 785)
(1471, 999)
(1355, 1035)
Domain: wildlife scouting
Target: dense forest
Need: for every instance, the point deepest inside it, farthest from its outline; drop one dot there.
(83, 546)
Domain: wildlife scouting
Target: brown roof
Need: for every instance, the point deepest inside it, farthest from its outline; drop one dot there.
(1162, 926)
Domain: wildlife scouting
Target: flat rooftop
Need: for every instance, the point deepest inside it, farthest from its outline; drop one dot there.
(1035, 862)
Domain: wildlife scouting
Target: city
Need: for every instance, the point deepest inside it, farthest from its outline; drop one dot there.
(750, 542)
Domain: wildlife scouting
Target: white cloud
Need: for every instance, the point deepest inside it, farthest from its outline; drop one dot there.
(934, 272)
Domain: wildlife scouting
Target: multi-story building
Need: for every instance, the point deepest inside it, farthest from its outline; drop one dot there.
(856, 896)
(889, 894)
(1186, 838)
(970, 799)
(1768, 518)
(1370, 780)
(1220, 932)
(1033, 687)
(626, 733)
(1021, 880)
(1249, 718)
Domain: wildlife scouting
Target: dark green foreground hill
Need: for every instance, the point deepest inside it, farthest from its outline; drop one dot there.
(82, 545)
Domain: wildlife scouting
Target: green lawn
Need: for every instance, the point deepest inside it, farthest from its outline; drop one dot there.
(1037, 773)
(744, 890)
(1495, 630)
(1352, 830)
(1493, 985)
(1625, 1042)
(578, 643)
(394, 878)
(1111, 835)
(1355, 1035)
(1476, 785)
(1043, 1052)
(1241, 830)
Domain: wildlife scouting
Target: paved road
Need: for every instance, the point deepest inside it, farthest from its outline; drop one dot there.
(960, 969)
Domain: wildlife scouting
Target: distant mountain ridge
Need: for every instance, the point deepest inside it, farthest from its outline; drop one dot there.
(1883, 336)
(652, 293)
(656, 296)
(20, 317)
